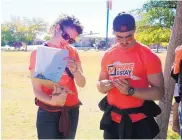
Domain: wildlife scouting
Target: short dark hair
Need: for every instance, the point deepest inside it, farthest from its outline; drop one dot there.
(69, 21)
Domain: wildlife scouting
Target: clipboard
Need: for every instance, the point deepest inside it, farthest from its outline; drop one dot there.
(49, 66)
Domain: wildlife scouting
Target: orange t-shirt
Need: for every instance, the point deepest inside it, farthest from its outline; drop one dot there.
(134, 64)
(178, 58)
(65, 80)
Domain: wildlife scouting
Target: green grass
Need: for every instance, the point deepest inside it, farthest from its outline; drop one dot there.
(171, 134)
(19, 111)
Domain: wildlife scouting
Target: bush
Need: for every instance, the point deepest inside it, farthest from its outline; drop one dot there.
(3, 43)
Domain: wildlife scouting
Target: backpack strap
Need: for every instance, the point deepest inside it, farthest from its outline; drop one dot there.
(69, 72)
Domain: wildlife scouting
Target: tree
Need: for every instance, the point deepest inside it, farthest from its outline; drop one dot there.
(6, 34)
(22, 30)
(160, 12)
(156, 20)
(36, 27)
(165, 104)
(47, 37)
(150, 35)
(157, 13)
(164, 4)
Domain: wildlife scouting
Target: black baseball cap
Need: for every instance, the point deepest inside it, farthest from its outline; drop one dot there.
(123, 22)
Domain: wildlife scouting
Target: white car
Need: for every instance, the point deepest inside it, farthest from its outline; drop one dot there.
(159, 50)
(7, 48)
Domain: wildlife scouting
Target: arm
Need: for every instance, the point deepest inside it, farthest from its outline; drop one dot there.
(38, 92)
(74, 65)
(55, 100)
(79, 77)
(103, 84)
(155, 78)
(155, 92)
(36, 86)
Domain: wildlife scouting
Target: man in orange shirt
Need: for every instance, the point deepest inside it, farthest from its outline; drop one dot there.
(131, 76)
(58, 111)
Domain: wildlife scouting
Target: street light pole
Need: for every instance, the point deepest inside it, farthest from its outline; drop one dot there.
(107, 24)
(109, 6)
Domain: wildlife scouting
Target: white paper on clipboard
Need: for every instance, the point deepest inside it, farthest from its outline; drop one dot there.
(50, 63)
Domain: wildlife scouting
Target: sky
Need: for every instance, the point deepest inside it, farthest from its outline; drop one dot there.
(91, 13)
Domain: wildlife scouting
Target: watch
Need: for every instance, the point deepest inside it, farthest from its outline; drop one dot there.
(131, 91)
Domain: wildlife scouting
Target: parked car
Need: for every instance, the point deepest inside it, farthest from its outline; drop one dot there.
(7, 48)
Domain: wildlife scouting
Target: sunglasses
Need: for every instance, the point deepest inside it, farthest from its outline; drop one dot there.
(66, 37)
(127, 38)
